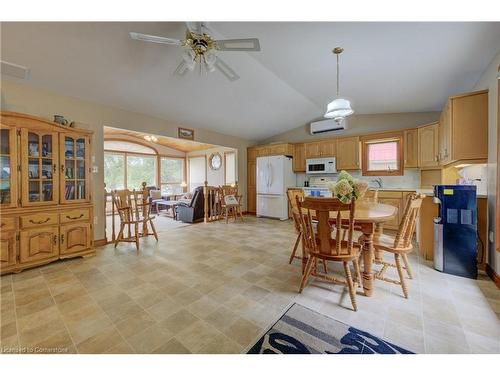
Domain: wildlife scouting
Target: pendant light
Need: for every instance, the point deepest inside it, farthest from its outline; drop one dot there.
(339, 108)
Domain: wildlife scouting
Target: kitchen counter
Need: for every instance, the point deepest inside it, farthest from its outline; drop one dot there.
(430, 193)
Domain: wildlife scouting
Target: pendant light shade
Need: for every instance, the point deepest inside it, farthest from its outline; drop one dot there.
(339, 108)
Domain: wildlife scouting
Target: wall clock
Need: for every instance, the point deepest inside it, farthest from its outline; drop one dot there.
(215, 161)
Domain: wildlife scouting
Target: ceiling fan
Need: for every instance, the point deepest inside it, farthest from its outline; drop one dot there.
(200, 48)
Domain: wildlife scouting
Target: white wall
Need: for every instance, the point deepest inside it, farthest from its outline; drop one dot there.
(489, 81)
(215, 178)
(22, 98)
(361, 124)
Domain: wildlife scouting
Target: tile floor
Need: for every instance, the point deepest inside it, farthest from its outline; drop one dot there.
(215, 288)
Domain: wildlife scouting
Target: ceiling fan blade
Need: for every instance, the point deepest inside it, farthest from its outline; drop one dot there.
(195, 27)
(250, 44)
(226, 70)
(155, 39)
(181, 69)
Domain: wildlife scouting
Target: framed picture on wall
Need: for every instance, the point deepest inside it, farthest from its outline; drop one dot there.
(186, 133)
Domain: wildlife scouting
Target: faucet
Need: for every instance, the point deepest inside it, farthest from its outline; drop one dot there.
(378, 181)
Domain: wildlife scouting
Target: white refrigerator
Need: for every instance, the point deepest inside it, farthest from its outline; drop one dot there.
(274, 177)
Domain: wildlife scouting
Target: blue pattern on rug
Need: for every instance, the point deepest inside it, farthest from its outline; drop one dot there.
(303, 331)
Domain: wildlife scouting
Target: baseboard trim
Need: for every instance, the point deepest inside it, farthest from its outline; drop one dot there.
(493, 275)
(101, 242)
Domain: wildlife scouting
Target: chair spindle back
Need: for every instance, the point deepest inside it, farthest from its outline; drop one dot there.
(325, 211)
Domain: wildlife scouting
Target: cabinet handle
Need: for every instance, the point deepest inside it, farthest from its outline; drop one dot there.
(74, 217)
(55, 239)
(39, 222)
(55, 168)
(62, 238)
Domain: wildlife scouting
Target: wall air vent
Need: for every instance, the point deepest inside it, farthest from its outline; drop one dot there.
(14, 70)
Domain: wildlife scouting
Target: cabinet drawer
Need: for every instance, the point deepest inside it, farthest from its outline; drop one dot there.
(70, 216)
(36, 220)
(7, 223)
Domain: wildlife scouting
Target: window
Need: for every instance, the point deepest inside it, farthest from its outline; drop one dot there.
(114, 171)
(140, 168)
(382, 157)
(229, 168)
(197, 172)
(171, 175)
(127, 165)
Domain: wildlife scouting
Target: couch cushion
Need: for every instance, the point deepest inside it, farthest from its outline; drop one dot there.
(155, 194)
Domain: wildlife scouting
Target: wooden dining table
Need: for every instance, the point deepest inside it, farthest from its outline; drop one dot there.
(369, 218)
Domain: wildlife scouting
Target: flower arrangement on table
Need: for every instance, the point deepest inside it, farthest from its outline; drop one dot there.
(347, 188)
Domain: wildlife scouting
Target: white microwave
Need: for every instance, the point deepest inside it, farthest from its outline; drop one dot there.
(321, 166)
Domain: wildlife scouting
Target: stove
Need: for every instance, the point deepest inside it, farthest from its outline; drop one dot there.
(318, 187)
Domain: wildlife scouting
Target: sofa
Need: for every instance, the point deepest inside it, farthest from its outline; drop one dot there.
(192, 211)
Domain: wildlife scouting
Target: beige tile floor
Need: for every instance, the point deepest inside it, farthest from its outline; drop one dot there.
(215, 288)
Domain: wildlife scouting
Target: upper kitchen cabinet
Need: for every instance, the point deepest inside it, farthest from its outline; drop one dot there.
(299, 157)
(271, 149)
(428, 145)
(348, 155)
(321, 149)
(464, 128)
(410, 147)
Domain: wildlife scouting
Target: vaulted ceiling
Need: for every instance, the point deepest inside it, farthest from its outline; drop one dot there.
(386, 68)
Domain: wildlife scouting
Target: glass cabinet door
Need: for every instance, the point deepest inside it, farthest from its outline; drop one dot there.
(39, 167)
(74, 168)
(8, 167)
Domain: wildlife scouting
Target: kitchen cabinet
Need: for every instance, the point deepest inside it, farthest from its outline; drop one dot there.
(464, 128)
(348, 153)
(321, 149)
(428, 145)
(299, 157)
(251, 186)
(410, 148)
(393, 198)
(444, 135)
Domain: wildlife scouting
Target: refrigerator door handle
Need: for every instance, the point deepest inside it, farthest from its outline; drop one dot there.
(270, 175)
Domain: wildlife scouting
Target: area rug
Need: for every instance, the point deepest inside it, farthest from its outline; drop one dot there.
(304, 331)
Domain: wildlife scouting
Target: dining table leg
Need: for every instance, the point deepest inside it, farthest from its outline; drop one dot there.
(379, 230)
(368, 260)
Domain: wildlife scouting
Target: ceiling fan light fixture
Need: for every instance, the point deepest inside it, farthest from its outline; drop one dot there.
(189, 58)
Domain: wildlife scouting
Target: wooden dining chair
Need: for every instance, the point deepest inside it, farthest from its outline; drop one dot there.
(134, 209)
(230, 202)
(319, 243)
(400, 245)
(292, 195)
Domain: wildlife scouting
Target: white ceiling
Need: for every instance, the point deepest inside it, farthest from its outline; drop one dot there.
(386, 68)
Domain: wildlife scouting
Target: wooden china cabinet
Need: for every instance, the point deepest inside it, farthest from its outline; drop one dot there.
(46, 206)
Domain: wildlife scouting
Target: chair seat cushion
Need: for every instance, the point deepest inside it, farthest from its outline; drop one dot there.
(230, 200)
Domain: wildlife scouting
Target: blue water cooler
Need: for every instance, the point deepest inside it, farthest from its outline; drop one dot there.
(455, 230)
